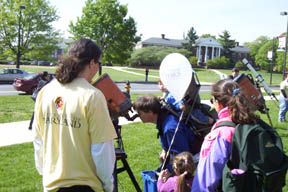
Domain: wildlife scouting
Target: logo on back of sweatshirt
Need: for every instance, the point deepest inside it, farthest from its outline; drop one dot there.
(59, 103)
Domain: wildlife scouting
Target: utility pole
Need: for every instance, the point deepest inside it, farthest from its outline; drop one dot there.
(19, 37)
(272, 61)
(283, 13)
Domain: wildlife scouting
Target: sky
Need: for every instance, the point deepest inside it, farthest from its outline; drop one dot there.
(245, 20)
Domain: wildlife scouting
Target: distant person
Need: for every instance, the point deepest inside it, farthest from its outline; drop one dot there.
(235, 73)
(44, 79)
(74, 149)
(283, 99)
(146, 74)
(183, 166)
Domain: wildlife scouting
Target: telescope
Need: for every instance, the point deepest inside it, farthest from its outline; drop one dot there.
(252, 90)
(119, 105)
(260, 79)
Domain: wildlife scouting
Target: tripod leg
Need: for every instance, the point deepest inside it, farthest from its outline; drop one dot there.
(115, 178)
(127, 167)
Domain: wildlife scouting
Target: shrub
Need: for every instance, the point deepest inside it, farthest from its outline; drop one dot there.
(193, 60)
(218, 62)
(153, 56)
(209, 64)
(240, 65)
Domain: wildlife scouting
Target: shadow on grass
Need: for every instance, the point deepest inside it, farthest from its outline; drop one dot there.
(283, 135)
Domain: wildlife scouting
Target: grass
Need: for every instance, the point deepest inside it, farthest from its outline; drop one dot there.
(16, 108)
(20, 107)
(115, 75)
(17, 167)
(204, 75)
(154, 72)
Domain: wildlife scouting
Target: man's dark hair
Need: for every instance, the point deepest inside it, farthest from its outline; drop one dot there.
(80, 53)
(147, 103)
(235, 69)
(44, 74)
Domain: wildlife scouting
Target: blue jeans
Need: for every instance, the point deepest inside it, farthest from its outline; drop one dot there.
(283, 108)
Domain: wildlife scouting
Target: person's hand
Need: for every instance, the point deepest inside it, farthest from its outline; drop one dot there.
(160, 98)
(286, 99)
(162, 156)
(164, 175)
(182, 107)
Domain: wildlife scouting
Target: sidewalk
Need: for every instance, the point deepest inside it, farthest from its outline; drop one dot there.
(17, 132)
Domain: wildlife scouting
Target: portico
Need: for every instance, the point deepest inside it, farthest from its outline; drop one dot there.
(207, 49)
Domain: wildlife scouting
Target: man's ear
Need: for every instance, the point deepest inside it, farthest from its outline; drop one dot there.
(91, 62)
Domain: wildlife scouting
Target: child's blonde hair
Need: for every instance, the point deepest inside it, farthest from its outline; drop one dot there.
(184, 166)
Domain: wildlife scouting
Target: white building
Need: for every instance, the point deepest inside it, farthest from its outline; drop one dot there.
(207, 48)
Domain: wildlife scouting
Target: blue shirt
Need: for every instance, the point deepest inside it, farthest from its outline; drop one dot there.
(166, 124)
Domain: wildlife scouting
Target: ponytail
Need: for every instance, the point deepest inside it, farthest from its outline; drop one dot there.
(183, 186)
(69, 68)
(241, 109)
(80, 53)
(184, 166)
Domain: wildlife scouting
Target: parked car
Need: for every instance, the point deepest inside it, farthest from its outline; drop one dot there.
(11, 62)
(9, 74)
(29, 83)
(44, 63)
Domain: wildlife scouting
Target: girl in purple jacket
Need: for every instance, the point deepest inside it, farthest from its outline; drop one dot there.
(183, 166)
(231, 105)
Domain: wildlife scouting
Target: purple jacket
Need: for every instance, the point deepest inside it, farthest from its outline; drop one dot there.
(215, 151)
(170, 185)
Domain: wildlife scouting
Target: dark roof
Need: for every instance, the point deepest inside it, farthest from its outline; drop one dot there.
(241, 49)
(163, 42)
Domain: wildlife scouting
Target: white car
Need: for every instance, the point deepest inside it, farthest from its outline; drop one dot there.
(9, 74)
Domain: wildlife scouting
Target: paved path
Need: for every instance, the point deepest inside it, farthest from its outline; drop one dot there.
(222, 75)
(124, 69)
(17, 132)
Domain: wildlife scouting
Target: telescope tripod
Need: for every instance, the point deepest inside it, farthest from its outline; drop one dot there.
(121, 155)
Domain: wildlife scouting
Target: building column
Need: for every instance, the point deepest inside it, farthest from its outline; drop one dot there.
(205, 58)
(199, 54)
(219, 53)
(212, 53)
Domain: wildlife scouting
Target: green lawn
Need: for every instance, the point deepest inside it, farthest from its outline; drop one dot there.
(154, 72)
(17, 162)
(204, 75)
(16, 108)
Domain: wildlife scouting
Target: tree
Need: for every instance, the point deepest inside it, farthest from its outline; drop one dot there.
(227, 43)
(208, 35)
(256, 45)
(153, 56)
(261, 56)
(191, 37)
(37, 33)
(106, 22)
